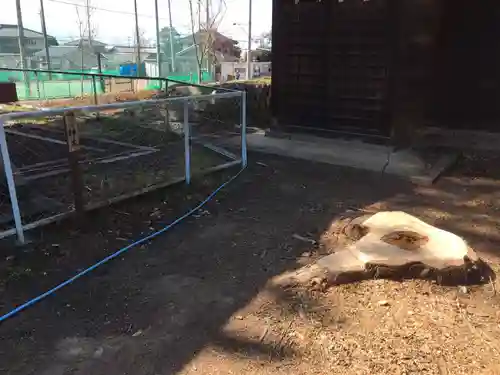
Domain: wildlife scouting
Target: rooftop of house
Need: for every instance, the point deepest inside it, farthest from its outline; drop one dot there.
(73, 54)
(150, 57)
(216, 34)
(11, 31)
(129, 49)
(84, 41)
(61, 51)
(189, 53)
(57, 51)
(121, 58)
(189, 49)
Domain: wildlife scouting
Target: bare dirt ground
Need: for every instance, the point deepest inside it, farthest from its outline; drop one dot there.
(194, 301)
(109, 97)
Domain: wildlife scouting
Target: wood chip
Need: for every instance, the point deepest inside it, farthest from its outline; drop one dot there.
(304, 239)
(463, 289)
(138, 333)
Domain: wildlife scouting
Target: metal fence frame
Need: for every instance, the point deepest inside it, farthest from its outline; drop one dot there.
(95, 76)
(20, 228)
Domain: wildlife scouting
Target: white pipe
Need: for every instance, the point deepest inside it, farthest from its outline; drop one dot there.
(244, 130)
(19, 229)
(171, 36)
(249, 52)
(7, 167)
(97, 205)
(45, 38)
(138, 41)
(187, 144)
(104, 107)
(158, 46)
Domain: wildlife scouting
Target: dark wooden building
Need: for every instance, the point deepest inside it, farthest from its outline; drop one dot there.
(386, 67)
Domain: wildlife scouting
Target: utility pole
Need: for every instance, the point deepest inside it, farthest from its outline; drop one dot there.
(137, 36)
(22, 54)
(158, 46)
(208, 13)
(171, 35)
(199, 15)
(249, 52)
(45, 38)
(208, 38)
(87, 14)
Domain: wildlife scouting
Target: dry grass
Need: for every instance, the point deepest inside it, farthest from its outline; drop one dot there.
(254, 81)
(371, 327)
(6, 108)
(379, 327)
(101, 99)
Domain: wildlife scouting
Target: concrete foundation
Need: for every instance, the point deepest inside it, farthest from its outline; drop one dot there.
(355, 154)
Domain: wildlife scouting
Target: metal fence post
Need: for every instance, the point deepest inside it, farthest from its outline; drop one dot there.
(95, 89)
(187, 143)
(43, 89)
(37, 85)
(244, 129)
(7, 167)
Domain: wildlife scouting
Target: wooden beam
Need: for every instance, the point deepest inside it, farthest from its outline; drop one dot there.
(74, 156)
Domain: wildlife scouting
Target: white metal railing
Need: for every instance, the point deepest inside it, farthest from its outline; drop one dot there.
(20, 228)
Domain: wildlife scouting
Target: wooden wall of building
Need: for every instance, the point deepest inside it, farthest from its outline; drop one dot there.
(466, 75)
(299, 64)
(330, 64)
(386, 67)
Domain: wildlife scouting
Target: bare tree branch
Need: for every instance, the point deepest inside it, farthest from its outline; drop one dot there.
(198, 60)
(91, 29)
(81, 33)
(204, 39)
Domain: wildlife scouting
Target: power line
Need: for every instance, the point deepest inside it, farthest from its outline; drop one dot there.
(104, 9)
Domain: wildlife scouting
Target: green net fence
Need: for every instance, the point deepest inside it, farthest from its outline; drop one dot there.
(44, 85)
(185, 77)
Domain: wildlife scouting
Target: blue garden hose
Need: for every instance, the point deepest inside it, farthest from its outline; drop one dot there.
(149, 237)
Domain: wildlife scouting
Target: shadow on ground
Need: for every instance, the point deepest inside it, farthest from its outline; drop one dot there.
(155, 308)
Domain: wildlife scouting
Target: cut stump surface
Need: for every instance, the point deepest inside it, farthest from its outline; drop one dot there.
(392, 244)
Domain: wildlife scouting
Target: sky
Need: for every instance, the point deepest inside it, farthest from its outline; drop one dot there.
(114, 19)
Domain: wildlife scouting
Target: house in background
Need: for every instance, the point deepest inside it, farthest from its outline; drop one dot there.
(10, 60)
(97, 46)
(221, 43)
(151, 65)
(67, 58)
(115, 56)
(195, 48)
(9, 45)
(9, 40)
(261, 54)
(238, 70)
(185, 62)
(80, 54)
(260, 66)
(191, 51)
